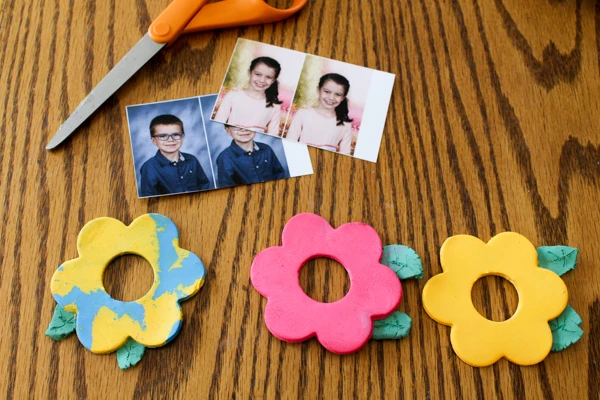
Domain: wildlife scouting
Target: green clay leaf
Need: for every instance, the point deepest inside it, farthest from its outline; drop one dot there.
(396, 326)
(403, 260)
(565, 329)
(62, 324)
(558, 259)
(130, 353)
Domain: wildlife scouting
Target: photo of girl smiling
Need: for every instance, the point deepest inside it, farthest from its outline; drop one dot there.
(257, 107)
(327, 125)
(258, 88)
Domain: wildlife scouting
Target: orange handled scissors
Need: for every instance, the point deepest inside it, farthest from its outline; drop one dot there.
(181, 16)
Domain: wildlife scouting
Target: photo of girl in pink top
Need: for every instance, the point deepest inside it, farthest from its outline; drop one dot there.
(256, 107)
(328, 124)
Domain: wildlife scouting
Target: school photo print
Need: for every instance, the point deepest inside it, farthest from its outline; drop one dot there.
(241, 156)
(259, 86)
(178, 149)
(340, 107)
(170, 151)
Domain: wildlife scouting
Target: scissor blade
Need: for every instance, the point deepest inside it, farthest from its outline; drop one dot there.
(143, 51)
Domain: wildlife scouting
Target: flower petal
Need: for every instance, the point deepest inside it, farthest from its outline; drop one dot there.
(274, 271)
(359, 242)
(376, 288)
(287, 321)
(180, 271)
(306, 232)
(345, 334)
(532, 346)
(446, 296)
(520, 247)
(543, 295)
(480, 342)
(462, 252)
(477, 345)
(96, 233)
(341, 331)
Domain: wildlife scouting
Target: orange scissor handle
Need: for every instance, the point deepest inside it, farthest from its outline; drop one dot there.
(229, 13)
(171, 22)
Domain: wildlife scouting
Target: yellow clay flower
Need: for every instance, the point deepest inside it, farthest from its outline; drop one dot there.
(525, 338)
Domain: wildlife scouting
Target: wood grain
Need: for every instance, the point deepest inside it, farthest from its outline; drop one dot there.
(494, 126)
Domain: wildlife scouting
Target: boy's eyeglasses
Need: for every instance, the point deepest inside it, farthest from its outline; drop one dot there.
(163, 137)
(235, 128)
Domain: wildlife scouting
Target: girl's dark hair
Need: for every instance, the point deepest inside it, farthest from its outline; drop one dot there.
(341, 111)
(272, 91)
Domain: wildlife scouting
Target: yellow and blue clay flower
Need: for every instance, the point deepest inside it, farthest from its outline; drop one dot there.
(104, 324)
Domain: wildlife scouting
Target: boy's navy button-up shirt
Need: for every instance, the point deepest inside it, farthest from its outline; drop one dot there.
(240, 167)
(162, 176)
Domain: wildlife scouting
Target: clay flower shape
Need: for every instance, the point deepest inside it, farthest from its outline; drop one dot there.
(525, 338)
(343, 326)
(104, 324)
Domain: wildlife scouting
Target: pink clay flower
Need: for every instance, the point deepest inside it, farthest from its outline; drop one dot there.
(343, 326)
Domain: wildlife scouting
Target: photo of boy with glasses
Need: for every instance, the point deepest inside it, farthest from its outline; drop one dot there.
(246, 161)
(170, 170)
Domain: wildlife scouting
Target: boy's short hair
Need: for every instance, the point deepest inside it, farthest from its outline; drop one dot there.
(166, 119)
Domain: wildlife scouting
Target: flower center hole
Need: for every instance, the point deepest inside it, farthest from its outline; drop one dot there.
(495, 298)
(324, 279)
(128, 277)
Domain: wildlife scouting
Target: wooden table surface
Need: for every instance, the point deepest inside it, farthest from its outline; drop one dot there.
(493, 126)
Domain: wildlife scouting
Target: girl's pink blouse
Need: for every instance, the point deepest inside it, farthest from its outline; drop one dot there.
(239, 109)
(312, 128)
